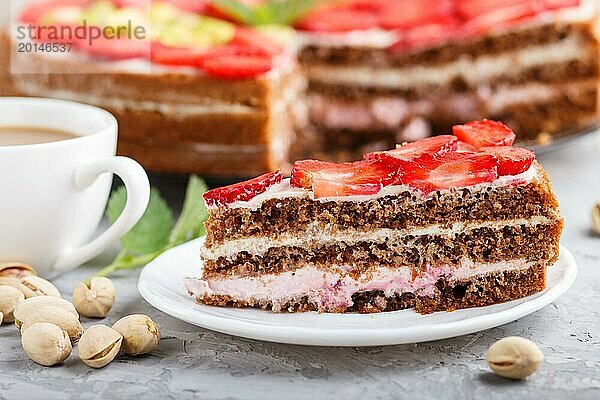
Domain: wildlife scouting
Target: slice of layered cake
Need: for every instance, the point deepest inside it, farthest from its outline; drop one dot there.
(399, 67)
(448, 222)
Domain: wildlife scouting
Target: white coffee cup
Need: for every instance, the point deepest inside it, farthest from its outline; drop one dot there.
(53, 195)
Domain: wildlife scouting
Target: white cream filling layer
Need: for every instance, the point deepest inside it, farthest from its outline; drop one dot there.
(472, 70)
(120, 103)
(317, 234)
(332, 289)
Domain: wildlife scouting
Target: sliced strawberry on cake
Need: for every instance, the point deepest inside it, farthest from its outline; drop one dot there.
(484, 133)
(242, 191)
(433, 146)
(414, 13)
(328, 179)
(452, 170)
(338, 19)
(511, 160)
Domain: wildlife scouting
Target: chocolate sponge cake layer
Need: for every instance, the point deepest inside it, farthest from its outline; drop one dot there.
(404, 211)
(479, 245)
(551, 73)
(487, 45)
(448, 295)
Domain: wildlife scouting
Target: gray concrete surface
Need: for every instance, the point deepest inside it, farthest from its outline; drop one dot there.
(195, 363)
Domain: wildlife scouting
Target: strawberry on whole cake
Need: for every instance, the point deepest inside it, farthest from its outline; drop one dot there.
(443, 223)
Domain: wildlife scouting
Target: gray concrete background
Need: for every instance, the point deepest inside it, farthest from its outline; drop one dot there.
(195, 363)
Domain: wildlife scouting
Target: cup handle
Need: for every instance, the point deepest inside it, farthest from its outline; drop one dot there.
(138, 194)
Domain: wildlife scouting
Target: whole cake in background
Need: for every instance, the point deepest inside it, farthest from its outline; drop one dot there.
(222, 90)
(402, 69)
(448, 222)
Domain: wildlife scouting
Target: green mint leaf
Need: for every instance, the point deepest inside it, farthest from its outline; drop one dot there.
(190, 224)
(151, 233)
(236, 10)
(287, 12)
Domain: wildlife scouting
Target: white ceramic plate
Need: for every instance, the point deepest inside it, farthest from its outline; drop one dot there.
(161, 284)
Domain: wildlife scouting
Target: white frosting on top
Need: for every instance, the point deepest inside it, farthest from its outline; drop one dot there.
(285, 190)
(374, 38)
(472, 70)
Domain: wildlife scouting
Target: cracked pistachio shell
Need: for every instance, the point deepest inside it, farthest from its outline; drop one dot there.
(99, 345)
(12, 272)
(32, 304)
(46, 344)
(9, 299)
(57, 316)
(140, 334)
(35, 286)
(16, 269)
(94, 300)
(514, 357)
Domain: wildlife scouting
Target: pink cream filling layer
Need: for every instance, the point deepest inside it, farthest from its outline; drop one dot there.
(333, 289)
(388, 113)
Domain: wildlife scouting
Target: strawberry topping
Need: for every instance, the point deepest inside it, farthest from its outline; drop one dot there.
(511, 160)
(452, 170)
(256, 41)
(465, 148)
(433, 146)
(338, 19)
(484, 133)
(242, 191)
(250, 53)
(406, 14)
(344, 179)
(34, 12)
(237, 66)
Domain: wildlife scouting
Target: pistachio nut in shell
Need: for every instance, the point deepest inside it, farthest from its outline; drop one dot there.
(9, 300)
(35, 286)
(96, 299)
(99, 345)
(32, 304)
(57, 316)
(12, 272)
(140, 334)
(46, 344)
(16, 269)
(514, 357)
